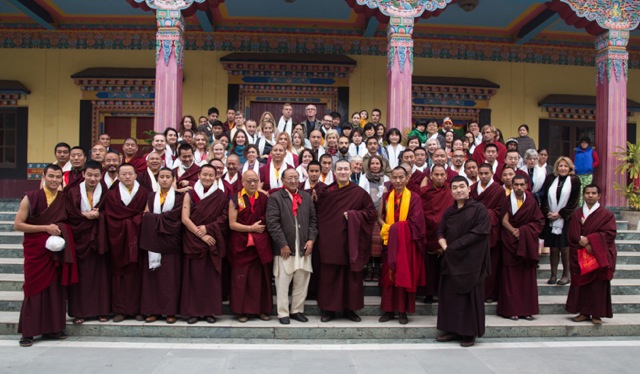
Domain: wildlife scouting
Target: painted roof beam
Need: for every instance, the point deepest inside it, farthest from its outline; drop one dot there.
(35, 12)
(534, 27)
(205, 20)
(372, 26)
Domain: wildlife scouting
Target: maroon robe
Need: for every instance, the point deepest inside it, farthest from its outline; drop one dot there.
(518, 292)
(250, 270)
(492, 199)
(434, 202)
(265, 176)
(72, 178)
(344, 245)
(45, 273)
(202, 264)
(91, 297)
(407, 237)
(190, 175)
(590, 294)
(465, 264)
(235, 186)
(478, 153)
(139, 163)
(414, 181)
(450, 174)
(145, 180)
(121, 233)
(319, 188)
(161, 286)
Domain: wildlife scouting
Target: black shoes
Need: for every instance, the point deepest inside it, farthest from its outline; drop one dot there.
(327, 316)
(449, 337)
(352, 316)
(403, 319)
(468, 341)
(299, 317)
(284, 320)
(386, 317)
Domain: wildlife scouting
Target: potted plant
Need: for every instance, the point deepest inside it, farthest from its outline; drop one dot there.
(630, 165)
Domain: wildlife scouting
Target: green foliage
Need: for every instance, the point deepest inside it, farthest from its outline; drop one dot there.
(629, 159)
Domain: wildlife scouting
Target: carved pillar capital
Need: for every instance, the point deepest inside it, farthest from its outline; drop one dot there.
(612, 56)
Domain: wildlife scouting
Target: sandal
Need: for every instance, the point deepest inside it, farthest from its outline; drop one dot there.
(265, 317)
(171, 320)
(580, 318)
(78, 321)
(26, 341)
(150, 319)
(103, 318)
(596, 321)
(529, 318)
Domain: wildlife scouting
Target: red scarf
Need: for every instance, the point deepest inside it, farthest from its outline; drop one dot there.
(296, 200)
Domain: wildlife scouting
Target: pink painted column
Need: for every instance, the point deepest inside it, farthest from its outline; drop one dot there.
(169, 55)
(611, 110)
(399, 71)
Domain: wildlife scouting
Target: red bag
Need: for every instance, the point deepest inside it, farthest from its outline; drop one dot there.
(587, 261)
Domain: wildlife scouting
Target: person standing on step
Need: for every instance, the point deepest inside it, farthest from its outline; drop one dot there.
(586, 161)
(522, 222)
(463, 236)
(560, 199)
(161, 258)
(592, 229)
(91, 297)
(205, 210)
(291, 222)
(346, 215)
(49, 260)
(122, 211)
(402, 223)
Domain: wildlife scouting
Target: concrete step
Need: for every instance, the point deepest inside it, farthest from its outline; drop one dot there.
(622, 271)
(628, 235)
(11, 237)
(8, 216)
(9, 204)
(11, 265)
(11, 282)
(6, 226)
(624, 257)
(419, 327)
(622, 225)
(12, 301)
(11, 251)
(628, 245)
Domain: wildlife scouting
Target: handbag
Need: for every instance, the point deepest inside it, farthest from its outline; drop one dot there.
(587, 261)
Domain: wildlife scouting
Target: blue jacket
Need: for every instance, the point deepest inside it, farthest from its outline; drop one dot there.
(584, 161)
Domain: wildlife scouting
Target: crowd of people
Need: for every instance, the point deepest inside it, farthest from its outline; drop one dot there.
(223, 210)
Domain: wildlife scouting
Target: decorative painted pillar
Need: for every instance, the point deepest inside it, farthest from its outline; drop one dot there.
(169, 56)
(617, 18)
(611, 110)
(400, 53)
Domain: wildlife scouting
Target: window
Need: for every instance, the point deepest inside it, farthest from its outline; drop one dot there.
(8, 138)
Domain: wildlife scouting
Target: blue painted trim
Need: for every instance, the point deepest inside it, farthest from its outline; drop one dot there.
(42, 22)
(205, 23)
(372, 26)
(550, 21)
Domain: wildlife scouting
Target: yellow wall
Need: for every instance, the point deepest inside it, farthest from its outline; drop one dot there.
(54, 102)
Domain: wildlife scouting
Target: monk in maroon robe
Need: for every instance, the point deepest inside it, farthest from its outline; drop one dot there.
(522, 223)
(250, 253)
(91, 296)
(233, 175)
(40, 216)
(463, 236)
(346, 215)
(491, 194)
(148, 178)
(439, 157)
(161, 255)
(594, 228)
(130, 155)
(436, 198)
(186, 170)
(403, 255)
(73, 177)
(204, 215)
(122, 211)
(271, 172)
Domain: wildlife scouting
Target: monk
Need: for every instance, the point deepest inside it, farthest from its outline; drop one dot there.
(346, 215)
(130, 155)
(161, 257)
(522, 222)
(436, 198)
(111, 163)
(439, 158)
(204, 215)
(312, 185)
(233, 176)
(148, 178)
(49, 264)
(271, 173)
(122, 211)
(77, 158)
(490, 193)
(593, 228)
(185, 169)
(91, 296)
(250, 253)
(401, 218)
(463, 235)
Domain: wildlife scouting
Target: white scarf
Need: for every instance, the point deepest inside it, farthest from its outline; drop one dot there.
(220, 184)
(232, 180)
(514, 202)
(307, 185)
(419, 168)
(199, 189)
(125, 196)
(480, 189)
(154, 183)
(275, 182)
(252, 139)
(328, 179)
(108, 181)
(288, 158)
(393, 153)
(555, 205)
(364, 183)
(285, 126)
(539, 174)
(432, 137)
(263, 141)
(84, 198)
(256, 167)
(200, 158)
(66, 167)
(155, 259)
(302, 171)
(360, 151)
(181, 168)
(586, 212)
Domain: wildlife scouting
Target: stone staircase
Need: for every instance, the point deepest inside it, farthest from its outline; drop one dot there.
(553, 321)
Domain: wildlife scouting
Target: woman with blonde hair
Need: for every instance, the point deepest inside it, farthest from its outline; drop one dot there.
(201, 152)
(561, 194)
(266, 116)
(331, 142)
(291, 157)
(218, 151)
(267, 140)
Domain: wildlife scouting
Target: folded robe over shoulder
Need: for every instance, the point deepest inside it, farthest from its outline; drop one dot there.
(492, 198)
(41, 266)
(213, 213)
(600, 229)
(530, 222)
(162, 233)
(434, 203)
(355, 233)
(85, 231)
